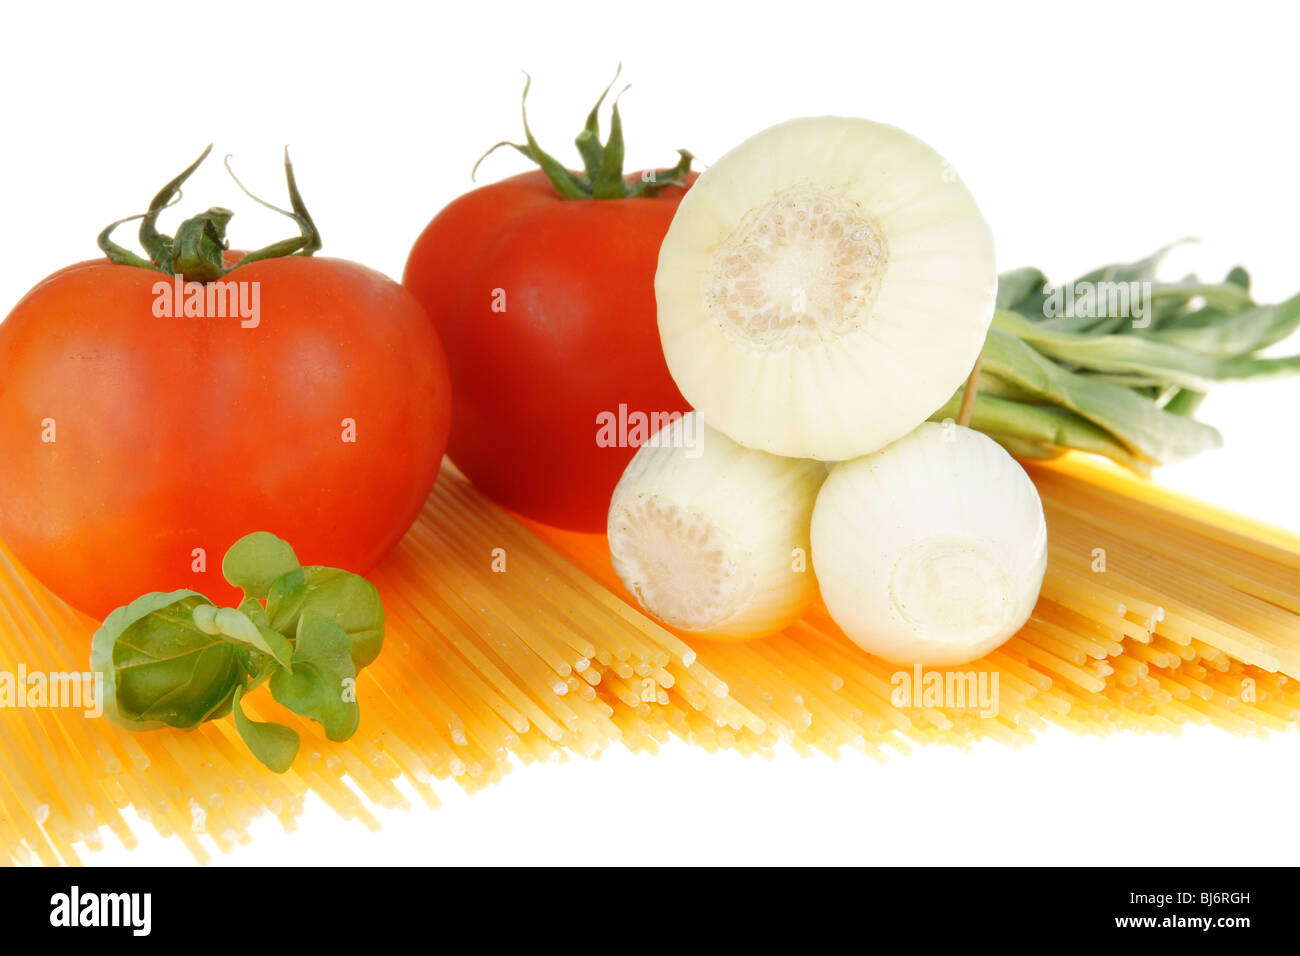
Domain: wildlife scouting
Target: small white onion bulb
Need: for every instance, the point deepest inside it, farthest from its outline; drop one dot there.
(932, 550)
(712, 537)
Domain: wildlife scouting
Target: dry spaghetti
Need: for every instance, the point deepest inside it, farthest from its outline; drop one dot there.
(508, 645)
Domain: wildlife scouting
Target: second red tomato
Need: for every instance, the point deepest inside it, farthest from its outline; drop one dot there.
(546, 307)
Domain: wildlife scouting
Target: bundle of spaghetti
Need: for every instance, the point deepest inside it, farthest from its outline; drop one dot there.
(494, 651)
(1156, 611)
(509, 645)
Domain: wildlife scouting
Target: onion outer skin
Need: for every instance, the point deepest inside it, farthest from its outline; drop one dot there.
(758, 507)
(931, 551)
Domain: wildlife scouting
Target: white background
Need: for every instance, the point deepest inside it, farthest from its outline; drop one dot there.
(1088, 134)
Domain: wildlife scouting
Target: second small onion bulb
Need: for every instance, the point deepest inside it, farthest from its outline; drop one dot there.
(712, 537)
(932, 550)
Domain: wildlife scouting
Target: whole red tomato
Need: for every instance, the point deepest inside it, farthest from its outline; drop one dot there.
(136, 448)
(546, 307)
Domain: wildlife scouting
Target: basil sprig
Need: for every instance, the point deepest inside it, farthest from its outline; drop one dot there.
(178, 660)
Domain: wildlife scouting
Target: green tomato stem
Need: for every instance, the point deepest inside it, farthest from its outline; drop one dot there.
(602, 176)
(197, 251)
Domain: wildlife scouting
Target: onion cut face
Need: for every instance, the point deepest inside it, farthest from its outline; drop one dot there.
(824, 288)
(932, 550)
(712, 537)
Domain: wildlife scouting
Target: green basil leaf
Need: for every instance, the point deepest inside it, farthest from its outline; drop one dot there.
(205, 619)
(158, 668)
(254, 611)
(236, 626)
(259, 666)
(274, 744)
(256, 560)
(349, 600)
(278, 647)
(322, 683)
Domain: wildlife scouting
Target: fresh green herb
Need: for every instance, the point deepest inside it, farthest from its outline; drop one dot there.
(347, 600)
(256, 561)
(1064, 369)
(160, 669)
(274, 744)
(319, 684)
(177, 660)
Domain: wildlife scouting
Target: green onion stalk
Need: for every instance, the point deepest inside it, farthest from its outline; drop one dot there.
(1116, 363)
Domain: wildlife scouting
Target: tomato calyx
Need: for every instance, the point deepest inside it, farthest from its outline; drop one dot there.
(602, 175)
(197, 250)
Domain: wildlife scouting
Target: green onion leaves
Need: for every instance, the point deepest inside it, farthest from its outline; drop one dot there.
(1116, 363)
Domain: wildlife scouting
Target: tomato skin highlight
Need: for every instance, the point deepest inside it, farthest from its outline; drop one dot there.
(578, 337)
(179, 433)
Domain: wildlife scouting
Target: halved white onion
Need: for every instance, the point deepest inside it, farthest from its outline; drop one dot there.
(824, 288)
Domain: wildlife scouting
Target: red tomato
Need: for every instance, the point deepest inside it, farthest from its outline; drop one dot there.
(547, 309)
(128, 441)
